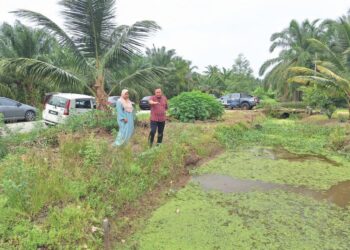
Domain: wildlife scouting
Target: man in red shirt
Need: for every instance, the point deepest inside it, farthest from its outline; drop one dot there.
(159, 106)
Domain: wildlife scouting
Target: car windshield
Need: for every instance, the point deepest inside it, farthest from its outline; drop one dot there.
(146, 98)
(57, 101)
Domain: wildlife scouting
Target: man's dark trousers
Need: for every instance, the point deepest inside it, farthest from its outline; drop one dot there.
(154, 127)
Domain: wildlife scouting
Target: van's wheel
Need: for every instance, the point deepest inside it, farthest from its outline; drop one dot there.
(245, 106)
(30, 116)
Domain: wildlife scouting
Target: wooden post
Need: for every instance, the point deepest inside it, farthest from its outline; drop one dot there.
(106, 233)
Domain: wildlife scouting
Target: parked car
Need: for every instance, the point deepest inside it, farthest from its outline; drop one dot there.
(224, 100)
(12, 110)
(112, 100)
(59, 106)
(144, 103)
(242, 100)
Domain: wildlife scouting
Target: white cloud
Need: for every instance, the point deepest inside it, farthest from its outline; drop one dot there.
(207, 31)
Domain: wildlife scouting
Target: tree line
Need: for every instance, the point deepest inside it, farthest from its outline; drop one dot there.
(313, 62)
(92, 54)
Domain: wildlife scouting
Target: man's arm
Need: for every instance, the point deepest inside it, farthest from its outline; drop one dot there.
(152, 102)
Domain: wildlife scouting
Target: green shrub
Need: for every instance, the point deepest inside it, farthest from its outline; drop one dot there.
(342, 118)
(94, 119)
(337, 139)
(191, 106)
(317, 97)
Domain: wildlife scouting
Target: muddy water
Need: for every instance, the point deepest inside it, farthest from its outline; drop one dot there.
(280, 153)
(338, 194)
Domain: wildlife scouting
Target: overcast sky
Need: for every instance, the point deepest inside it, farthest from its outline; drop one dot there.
(207, 31)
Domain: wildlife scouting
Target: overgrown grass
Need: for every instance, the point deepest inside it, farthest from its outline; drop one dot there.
(295, 136)
(59, 184)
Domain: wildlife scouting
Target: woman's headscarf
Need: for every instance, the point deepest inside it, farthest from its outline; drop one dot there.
(127, 104)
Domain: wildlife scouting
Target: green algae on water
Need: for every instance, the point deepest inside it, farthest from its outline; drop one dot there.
(195, 219)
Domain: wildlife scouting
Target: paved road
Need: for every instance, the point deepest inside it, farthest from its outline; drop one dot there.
(24, 127)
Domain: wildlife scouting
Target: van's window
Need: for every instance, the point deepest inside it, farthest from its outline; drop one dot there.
(83, 104)
(146, 98)
(57, 101)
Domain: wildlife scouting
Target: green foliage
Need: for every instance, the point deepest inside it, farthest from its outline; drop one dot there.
(231, 135)
(343, 118)
(53, 195)
(277, 133)
(337, 139)
(191, 106)
(317, 97)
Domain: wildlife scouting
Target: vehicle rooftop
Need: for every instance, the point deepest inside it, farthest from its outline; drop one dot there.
(72, 96)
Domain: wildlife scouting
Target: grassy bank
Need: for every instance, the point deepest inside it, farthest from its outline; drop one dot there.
(59, 184)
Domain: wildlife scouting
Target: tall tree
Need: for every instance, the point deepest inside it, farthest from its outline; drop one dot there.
(94, 39)
(333, 70)
(242, 66)
(18, 41)
(180, 75)
(295, 50)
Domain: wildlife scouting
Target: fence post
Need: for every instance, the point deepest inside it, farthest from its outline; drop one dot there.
(106, 234)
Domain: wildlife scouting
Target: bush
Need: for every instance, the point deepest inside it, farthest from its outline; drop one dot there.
(337, 139)
(293, 105)
(316, 97)
(191, 106)
(342, 118)
(89, 120)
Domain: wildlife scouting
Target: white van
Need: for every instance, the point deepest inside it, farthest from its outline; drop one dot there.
(59, 106)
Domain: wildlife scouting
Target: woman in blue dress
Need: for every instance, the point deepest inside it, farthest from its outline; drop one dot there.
(125, 117)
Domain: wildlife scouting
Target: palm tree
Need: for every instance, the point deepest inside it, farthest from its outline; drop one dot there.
(179, 78)
(21, 41)
(294, 51)
(97, 43)
(334, 68)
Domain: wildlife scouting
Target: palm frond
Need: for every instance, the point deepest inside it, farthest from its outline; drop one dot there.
(38, 70)
(324, 48)
(56, 31)
(327, 72)
(91, 22)
(302, 71)
(6, 91)
(128, 41)
(142, 77)
(268, 64)
(308, 80)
